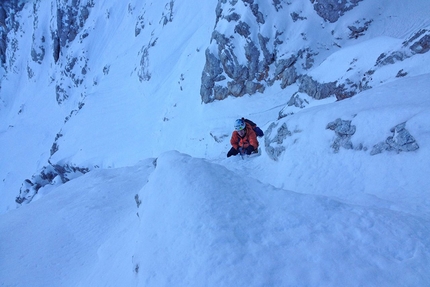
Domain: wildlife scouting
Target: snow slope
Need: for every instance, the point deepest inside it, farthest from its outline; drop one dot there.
(199, 224)
(391, 179)
(62, 239)
(163, 206)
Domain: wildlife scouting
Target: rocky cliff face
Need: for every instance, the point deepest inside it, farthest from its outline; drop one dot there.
(54, 27)
(50, 37)
(57, 37)
(8, 23)
(254, 46)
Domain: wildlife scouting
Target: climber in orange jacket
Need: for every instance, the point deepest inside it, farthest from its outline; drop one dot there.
(243, 139)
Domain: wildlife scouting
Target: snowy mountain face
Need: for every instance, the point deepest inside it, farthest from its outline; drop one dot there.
(116, 117)
(254, 46)
(70, 46)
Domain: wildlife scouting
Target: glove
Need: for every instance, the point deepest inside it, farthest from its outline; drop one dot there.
(249, 149)
(232, 151)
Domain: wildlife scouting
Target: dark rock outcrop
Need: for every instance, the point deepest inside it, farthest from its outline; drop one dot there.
(332, 10)
(344, 131)
(8, 22)
(48, 176)
(226, 73)
(317, 90)
(400, 141)
(419, 43)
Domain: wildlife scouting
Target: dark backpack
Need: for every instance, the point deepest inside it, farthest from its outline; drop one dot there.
(254, 126)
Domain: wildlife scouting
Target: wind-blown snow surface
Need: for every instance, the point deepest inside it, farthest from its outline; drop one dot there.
(200, 224)
(312, 218)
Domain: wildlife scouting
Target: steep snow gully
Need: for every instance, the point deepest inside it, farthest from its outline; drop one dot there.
(115, 120)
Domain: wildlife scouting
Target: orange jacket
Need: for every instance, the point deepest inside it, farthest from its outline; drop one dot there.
(250, 138)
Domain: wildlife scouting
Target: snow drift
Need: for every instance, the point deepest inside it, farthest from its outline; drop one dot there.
(183, 221)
